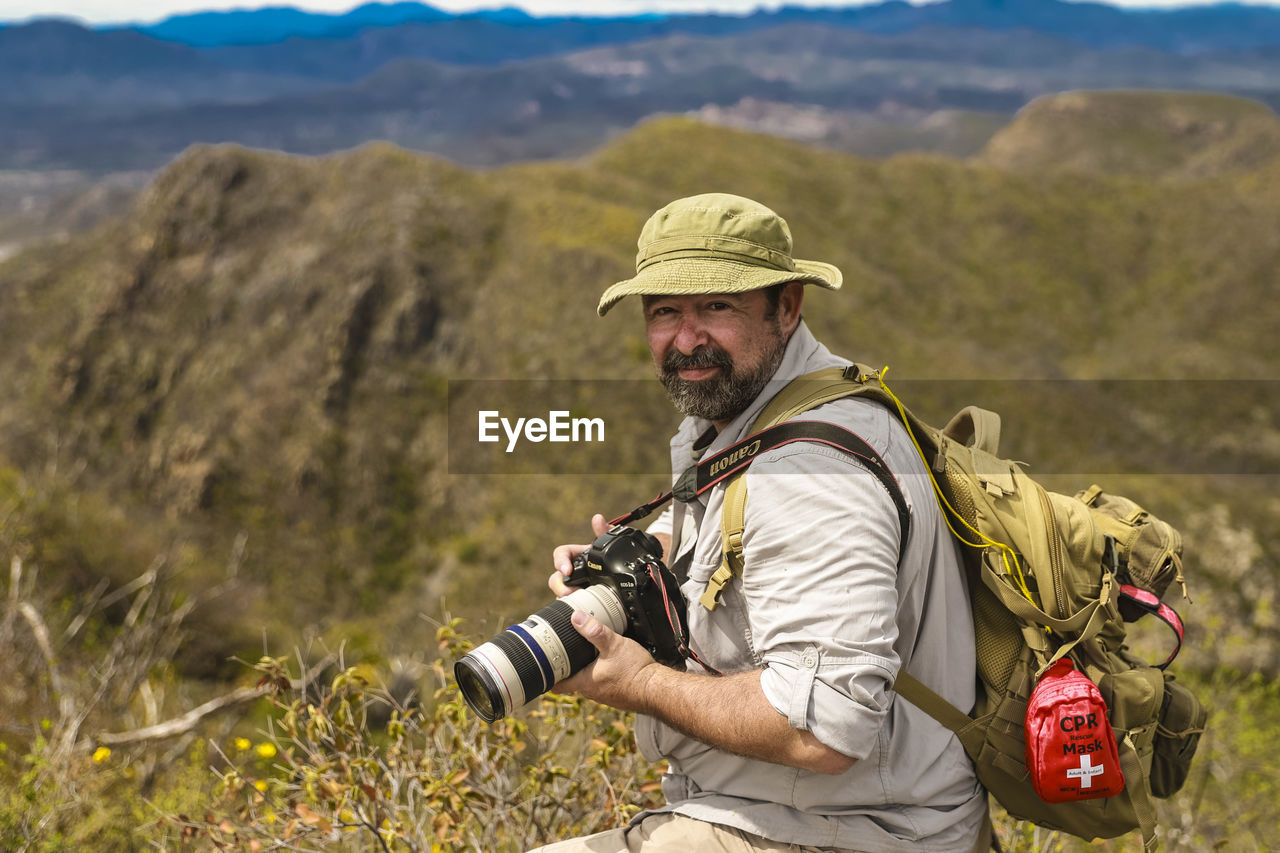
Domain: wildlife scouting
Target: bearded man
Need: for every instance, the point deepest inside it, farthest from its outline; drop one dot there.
(800, 742)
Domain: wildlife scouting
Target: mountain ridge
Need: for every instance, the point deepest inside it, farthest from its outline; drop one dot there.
(1168, 134)
(1203, 27)
(871, 92)
(261, 379)
(266, 344)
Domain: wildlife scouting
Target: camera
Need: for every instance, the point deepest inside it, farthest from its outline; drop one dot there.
(622, 582)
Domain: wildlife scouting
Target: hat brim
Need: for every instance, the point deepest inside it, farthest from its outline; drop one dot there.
(692, 276)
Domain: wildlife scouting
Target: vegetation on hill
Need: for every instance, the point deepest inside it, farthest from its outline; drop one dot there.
(256, 384)
(1155, 134)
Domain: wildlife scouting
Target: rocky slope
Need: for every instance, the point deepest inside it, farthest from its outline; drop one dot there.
(267, 346)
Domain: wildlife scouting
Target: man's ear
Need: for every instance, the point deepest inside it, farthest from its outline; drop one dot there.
(789, 303)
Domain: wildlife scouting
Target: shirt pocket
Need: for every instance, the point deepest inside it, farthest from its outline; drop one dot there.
(696, 577)
(721, 637)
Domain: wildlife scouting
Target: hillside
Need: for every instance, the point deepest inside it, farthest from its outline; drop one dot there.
(278, 358)
(1174, 134)
(267, 340)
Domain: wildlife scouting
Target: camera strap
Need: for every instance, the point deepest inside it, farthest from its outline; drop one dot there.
(731, 461)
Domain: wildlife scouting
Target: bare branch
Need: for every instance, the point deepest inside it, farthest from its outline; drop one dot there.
(87, 610)
(15, 580)
(136, 584)
(66, 703)
(41, 632)
(151, 709)
(237, 554)
(182, 724)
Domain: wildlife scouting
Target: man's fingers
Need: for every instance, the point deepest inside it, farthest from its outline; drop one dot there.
(595, 631)
(558, 587)
(562, 557)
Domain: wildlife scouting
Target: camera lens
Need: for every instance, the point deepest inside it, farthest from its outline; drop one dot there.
(479, 690)
(527, 659)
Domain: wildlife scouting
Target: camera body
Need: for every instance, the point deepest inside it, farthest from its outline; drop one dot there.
(622, 581)
(629, 562)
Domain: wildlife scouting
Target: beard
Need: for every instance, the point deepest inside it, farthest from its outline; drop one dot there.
(725, 395)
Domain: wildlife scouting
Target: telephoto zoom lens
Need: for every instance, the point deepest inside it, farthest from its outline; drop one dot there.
(524, 661)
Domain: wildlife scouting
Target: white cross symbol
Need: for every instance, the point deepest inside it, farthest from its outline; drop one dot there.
(1085, 772)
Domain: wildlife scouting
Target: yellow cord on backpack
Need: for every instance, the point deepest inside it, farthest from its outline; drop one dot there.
(1007, 554)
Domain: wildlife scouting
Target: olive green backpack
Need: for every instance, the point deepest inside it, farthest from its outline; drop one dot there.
(1049, 576)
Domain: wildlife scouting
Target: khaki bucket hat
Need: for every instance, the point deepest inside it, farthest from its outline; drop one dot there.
(716, 243)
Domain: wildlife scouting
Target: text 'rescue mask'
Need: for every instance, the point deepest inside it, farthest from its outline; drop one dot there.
(1071, 749)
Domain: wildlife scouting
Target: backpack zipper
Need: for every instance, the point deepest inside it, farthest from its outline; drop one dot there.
(1055, 554)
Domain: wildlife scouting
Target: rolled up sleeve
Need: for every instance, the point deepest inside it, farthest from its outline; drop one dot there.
(821, 552)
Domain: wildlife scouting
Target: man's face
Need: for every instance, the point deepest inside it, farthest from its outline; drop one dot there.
(715, 352)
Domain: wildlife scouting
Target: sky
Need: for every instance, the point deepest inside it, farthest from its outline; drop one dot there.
(148, 11)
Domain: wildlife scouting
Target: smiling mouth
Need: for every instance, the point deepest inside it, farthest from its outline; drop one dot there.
(694, 374)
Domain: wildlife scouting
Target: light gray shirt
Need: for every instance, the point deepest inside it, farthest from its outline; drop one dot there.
(829, 612)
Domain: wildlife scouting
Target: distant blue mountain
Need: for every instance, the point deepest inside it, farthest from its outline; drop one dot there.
(1224, 26)
(278, 23)
(505, 15)
(344, 46)
(495, 86)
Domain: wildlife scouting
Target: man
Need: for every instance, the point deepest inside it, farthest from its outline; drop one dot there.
(800, 744)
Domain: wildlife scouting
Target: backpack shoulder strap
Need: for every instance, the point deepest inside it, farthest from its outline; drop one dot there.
(968, 730)
(812, 390)
(800, 395)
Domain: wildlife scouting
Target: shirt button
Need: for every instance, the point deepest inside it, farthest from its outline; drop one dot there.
(810, 660)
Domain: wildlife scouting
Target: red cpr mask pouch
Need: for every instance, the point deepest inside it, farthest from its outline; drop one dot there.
(1071, 749)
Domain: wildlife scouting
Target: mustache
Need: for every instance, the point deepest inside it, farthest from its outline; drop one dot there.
(701, 357)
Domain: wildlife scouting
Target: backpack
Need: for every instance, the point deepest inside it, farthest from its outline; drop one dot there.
(1050, 576)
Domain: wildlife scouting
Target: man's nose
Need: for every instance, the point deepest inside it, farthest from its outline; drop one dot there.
(690, 334)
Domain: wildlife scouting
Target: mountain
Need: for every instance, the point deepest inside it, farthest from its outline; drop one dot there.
(866, 93)
(63, 47)
(1145, 133)
(276, 24)
(55, 70)
(1218, 27)
(54, 205)
(274, 347)
(495, 87)
(263, 379)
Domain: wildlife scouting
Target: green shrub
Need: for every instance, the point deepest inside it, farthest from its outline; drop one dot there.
(349, 766)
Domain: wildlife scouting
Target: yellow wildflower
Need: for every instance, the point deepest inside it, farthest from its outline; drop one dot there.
(267, 749)
(101, 754)
(261, 784)
(242, 743)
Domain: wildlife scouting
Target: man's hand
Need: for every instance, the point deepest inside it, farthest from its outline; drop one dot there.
(562, 558)
(730, 712)
(620, 676)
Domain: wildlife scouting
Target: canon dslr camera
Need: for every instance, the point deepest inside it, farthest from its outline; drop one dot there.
(624, 584)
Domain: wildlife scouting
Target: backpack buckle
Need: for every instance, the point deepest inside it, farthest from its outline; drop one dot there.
(860, 373)
(715, 585)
